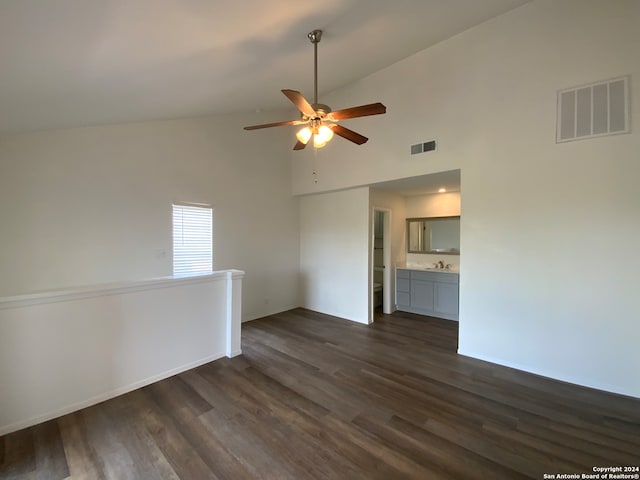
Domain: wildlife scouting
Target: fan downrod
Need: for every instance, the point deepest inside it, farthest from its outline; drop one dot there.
(315, 36)
(318, 115)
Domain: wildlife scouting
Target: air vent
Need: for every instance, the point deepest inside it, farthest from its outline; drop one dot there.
(593, 110)
(423, 147)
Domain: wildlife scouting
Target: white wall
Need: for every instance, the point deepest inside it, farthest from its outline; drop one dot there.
(93, 205)
(334, 253)
(542, 289)
(63, 351)
(436, 205)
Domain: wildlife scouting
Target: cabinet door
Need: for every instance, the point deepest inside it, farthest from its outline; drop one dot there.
(403, 299)
(446, 298)
(403, 285)
(422, 294)
(403, 289)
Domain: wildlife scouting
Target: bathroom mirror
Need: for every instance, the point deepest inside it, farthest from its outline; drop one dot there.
(439, 235)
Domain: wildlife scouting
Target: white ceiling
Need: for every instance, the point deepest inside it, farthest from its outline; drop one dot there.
(68, 63)
(422, 185)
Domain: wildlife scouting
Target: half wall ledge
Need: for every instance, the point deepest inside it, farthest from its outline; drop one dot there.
(64, 350)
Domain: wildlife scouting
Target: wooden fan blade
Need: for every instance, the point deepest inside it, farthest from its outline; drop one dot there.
(348, 134)
(299, 145)
(300, 102)
(276, 124)
(361, 111)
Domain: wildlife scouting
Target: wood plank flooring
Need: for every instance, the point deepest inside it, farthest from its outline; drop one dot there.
(316, 397)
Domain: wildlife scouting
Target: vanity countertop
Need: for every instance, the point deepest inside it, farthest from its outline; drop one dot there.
(425, 268)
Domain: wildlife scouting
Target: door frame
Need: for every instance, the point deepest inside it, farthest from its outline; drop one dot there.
(387, 294)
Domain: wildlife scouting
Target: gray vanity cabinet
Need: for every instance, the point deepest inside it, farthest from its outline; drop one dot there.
(423, 294)
(427, 293)
(403, 289)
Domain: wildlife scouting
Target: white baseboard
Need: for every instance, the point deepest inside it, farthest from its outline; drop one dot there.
(268, 313)
(582, 382)
(5, 429)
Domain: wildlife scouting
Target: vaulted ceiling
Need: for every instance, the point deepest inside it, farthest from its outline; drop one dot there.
(69, 63)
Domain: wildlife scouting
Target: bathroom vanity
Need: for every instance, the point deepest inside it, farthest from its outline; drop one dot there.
(432, 292)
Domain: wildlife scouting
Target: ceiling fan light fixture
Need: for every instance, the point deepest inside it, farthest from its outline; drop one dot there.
(304, 134)
(315, 114)
(321, 138)
(317, 142)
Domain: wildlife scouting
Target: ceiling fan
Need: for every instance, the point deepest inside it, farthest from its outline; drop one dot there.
(320, 121)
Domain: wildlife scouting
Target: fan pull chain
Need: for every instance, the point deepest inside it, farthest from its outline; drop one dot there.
(314, 163)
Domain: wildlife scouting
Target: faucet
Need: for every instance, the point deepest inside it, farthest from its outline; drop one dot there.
(440, 264)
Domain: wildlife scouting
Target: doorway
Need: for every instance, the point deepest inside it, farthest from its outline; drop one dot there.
(380, 294)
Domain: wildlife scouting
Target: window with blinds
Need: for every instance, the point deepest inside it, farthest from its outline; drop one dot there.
(192, 239)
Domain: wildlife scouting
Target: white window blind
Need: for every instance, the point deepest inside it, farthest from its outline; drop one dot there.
(192, 239)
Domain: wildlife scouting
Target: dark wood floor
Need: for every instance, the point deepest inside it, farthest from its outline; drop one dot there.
(318, 397)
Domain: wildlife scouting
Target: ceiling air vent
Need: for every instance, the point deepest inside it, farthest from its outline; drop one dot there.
(423, 147)
(593, 110)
